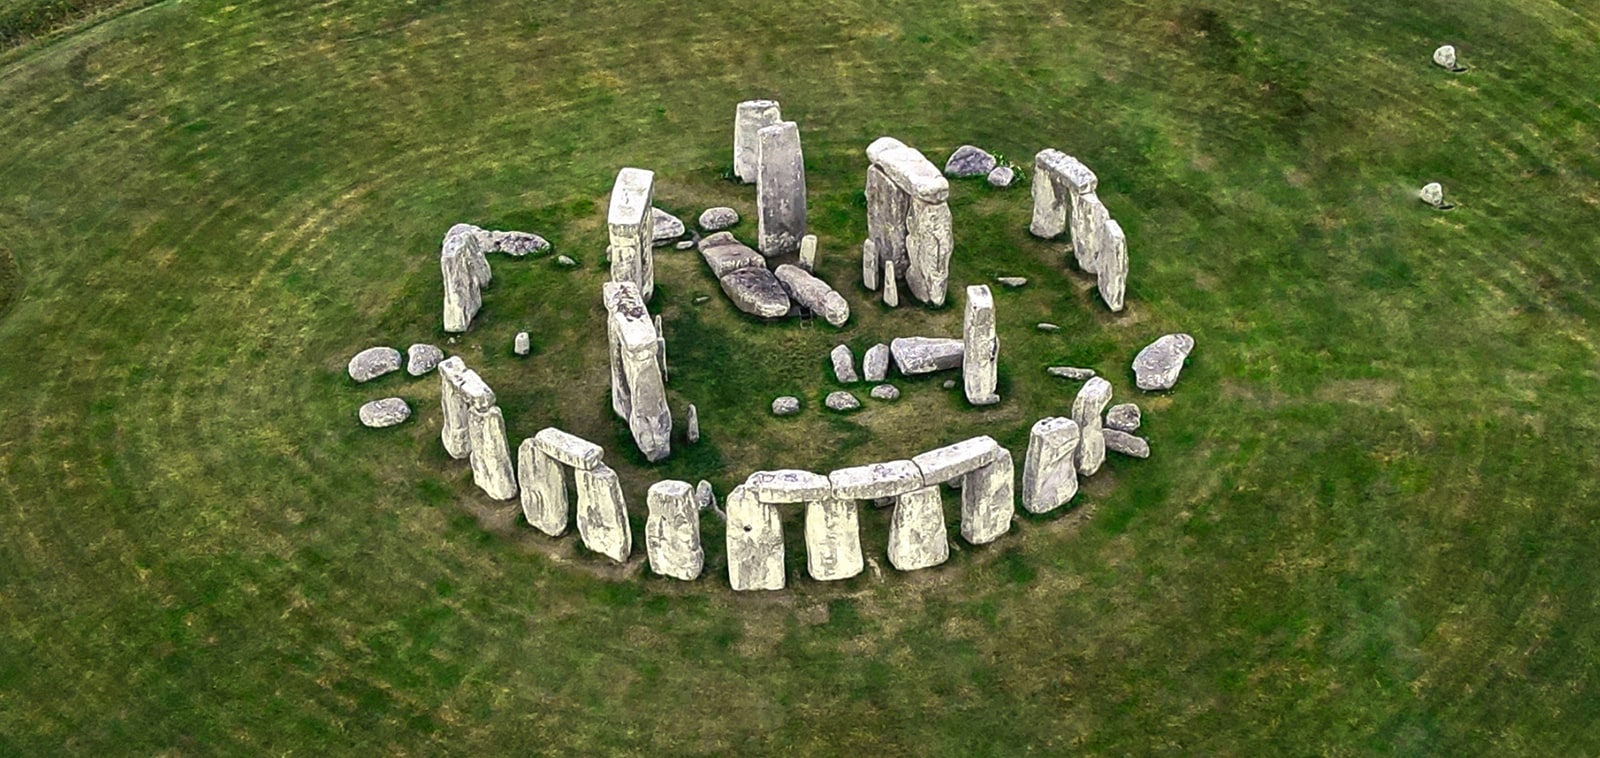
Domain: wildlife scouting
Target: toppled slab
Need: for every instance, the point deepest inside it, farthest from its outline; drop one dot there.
(924, 355)
(814, 294)
(374, 362)
(757, 292)
(726, 254)
(1126, 444)
(380, 414)
(1157, 366)
(1123, 418)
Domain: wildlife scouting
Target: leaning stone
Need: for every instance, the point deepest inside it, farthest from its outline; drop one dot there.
(725, 254)
(875, 480)
(969, 161)
(693, 433)
(1127, 444)
(814, 294)
(565, 261)
(704, 496)
(718, 219)
(808, 253)
(841, 401)
(672, 531)
(929, 243)
(1445, 57)
(923, 355)
(980, 347)
(568, 449)
(875, 364)
(886, 392)
(638, 391)
(947, 463)
(420, 359)
(780, 189)
(602, 514)
(891, 290)
(542, 482)
(1111, 266)
(1001, 177)
(1088, 410)
(453, 405)
(787, 405)
(664, 227)
(917, 538)
(1011, 282)
(1049, 474)
(492, 469)
(833, 539)
(1071, 372)
(522, 345)
(844, 368)
(757, 292)
(1045, 326)
(788, 486)
(387, 412)
(374, 362)
(988, 500)
(630, 223)
(1123, 418)
(1157, 366)
(1433, 194)
(750, 117)
(754, 542)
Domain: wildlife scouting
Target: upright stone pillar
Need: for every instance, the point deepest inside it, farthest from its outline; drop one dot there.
(988, 500)
(755, 542)
(544, 490)
(917, 538)
(750, 117)
(833, 539)
(1088, 411)
(631, 224)
(465, 271)
(780, 189)
(491, 456)
(672, 531)
(1089, 222)
(929, 244)
(1112, 266)
(602, 514)
(1049, 474)
(869, 265)
(454, 435)
(980, 347)
(887, 208)
(638, 389)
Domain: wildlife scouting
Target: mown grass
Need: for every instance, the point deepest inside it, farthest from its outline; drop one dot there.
(1367, 526)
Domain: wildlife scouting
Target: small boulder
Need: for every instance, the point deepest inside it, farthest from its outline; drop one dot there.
(666, 228)
(1445, 57)
(1122, 442)
(841, 401)
(1157, 366)
(1433, 194)
(875, 365)
(886, 392)
(523, 344)
(1048, 327)
(1011, 282)
(420, 359)
(702, 300)
(844, 365)
(565, 261)
(788, 405)
(1002, 177)
(704, 496)
(384, 413)
(374, 362)
(717, 219)
(969, 160)
(1071, 372)
(1124, 417)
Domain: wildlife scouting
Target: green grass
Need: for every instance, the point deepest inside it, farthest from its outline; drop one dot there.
(1368, 525)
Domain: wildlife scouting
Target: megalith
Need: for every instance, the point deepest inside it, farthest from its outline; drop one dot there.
(833, 539)
(780, 189)
(754, 542)
(638, 389)
(750, 117)
(631, 225)
(980, 347)
(908, 218)
(917, 538)
(602, 514)
(1050, 473)
(1088, 411)
(672, 531)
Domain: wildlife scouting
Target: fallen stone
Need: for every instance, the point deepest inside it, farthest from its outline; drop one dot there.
(420, 359)
(693, 432)
(756, 291)
(1127, 444)
(788, 486)
(886, 392)
(875, 480)
(718, 219)
(665, 228)
(980, 347)
(1071, 372)
(542, 483)
(1045, 326)
(950, 462)
(518, 244)
(684, 245)
(1157, 366)
(1123, 418)
(917, 538)
(891, 289)
(843, 362)
(780, 189)
(630, 222)
(725, 254)
(988, 500)
(1445, 57)
(602, 514)
(967, 161)
(1050, 474)
(924, 355)
(704, 496)
(754, 542)
(1001, 177)
(841, 401)
(786, 406)
(568, 449)
(1433, 194)
(374, 362)
(749, 118)
(875, 364)
(387, 412)
(672, 531)
(814, 294)
(565, 261)
(702, 300)
(833, 540)
(522, 345)
(1011, 282)
(492, 469)
(1088, 411)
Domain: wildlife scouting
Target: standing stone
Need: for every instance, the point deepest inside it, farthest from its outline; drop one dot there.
(631, 224)
(814, 294)
(869, 265)
(464, 269)
(750, 117)
(421, 358)
(491, 457)
(544, 489)
(808, 253)
(1157, 366)
(780, 189)
(718, 219)
(381, 414)
(924, 355)
(523, 344)
(1433, 194)
(1111, 266)
(638, 391)
(887, 206)
(980, 347)
(891, 291)
(969, 160)
(928, 246)
(672, 531)
(1124, 417)
(988, 500)
(1127, 444)
(917, 536)
(693, 433)
(1049, 473)
(875, 366)
(844, 368)
(754, 542)
(833, 539)
(453, 404)
(1088, 410)
(480, 242)
(1445, 57)
(1058, 180)
(373, 362)
(602, 514)
(1088, 222)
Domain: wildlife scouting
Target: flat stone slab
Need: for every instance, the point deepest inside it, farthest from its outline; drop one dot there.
(841, 401)
(374, 362)
(875, 480)
(665, 227)
(1127, 444)
(387, 412)
(788, 405)
(422, 358)
(1123, 418)
(757, 292)
(725, 254)
(1071, 372)
(924, 355)
(946, 463)
(1157, 366)
(788, 486)
(1011, 282)
(569, 449)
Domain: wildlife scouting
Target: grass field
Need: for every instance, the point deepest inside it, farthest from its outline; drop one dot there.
(1369, 525)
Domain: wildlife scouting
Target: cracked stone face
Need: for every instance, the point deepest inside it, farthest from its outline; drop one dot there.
(917, 538)
(780, 189)
(754, 542)
(1088, 408)
(1049, 473)
(833, 540)
(672, 531)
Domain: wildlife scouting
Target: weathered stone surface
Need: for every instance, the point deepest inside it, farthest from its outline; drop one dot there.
(1088, 221)
(1071, 372)
(980, 347)
(750, 117)
(909, 169)
(374, 362)
(568, 449)
(891, 290)
(725, 254)
(492, 469)
(833, 540)
(988, 500)
(543, 487)
(844, 367)
(780, 189)
(704, 496)
(475, 244)
(1050, 473)
(522, 344)
(1157, 366)
(754, 542)
(1001, 177)
(718, 219)
(929, 244)
(814, 294)
(869, 265)
(1445, 57)
(887, 206)
(473, 389)
(638, 388)
(756, 291)
(453, 404)
(787, 405)
(946, 463)
(1433, 194)
(563, 260)
(917, 538)
(1048, 327)
(518, 244)
(1088, 410)
(875, 480)
(693, 432)
(875, 364)
(684, 245)
(1011, 282)
(840, 400)
(808, 253)
(1111, 266)
(420, 359)
(1127, 444)
(465, 272)
(1059, 180)
(923, 355)
(387, 412)
(788, 486)
(631, 225)
(672, 531)
(665, 228)
(886, 392)
(968, 160)
(602, 514)
(1124, 417)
